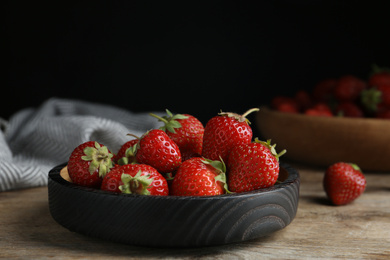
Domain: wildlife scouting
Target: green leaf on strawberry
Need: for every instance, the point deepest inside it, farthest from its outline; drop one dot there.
(221, 169)
(138, 184)
(100, 158)
(271, 147)
(170, 121)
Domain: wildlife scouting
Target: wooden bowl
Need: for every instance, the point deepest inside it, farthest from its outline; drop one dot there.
(173, 221)
(322, 141)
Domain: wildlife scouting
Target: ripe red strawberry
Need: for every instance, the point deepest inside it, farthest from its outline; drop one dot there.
(126, 153)
(285, 104)
(319, 109)
(253, 166)
(89, 163)
(158, 150)
(199, 177)
(224, 131)
(343, 183)
(348, 88)
(323, 91)
(348, 109)
(135, 179)
(380, 76)
(186, 131)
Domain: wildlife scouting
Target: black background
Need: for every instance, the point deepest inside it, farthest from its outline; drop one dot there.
(189, 56)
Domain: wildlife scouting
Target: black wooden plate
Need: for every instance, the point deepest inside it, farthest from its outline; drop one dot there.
(173, 221)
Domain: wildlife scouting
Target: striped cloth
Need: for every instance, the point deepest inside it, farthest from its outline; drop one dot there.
(35, 140)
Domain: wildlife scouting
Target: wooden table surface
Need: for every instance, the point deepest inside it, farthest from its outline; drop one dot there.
(360, 230)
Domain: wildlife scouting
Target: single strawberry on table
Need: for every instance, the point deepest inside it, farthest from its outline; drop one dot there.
(343, 183)
(200, 177)
(186, 131)
(158, 150)
(135, 179)
(224, 131)
(89, 163)
(253, 166)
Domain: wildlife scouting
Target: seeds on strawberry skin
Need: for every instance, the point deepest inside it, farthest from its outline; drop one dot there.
(186, 131)
(343, 183)
(158, 150)
(224, 131)
(253, 166)
(199, 177)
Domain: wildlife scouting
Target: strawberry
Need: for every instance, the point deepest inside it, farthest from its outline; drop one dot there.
(186, 131)
(379, 79)
(375, 98)
(126, 153)
(303, 99)
(348, 109)
(253, 166)
(323, 90)
(285, 104)
(200, 177)
(348, 88)
(89, 163)
(158, 150)
(343, 183)
(319, 109)
(224, 131)
(135, 179)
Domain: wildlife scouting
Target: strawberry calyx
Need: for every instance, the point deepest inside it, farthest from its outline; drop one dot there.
(170, 121)
(355, 167)
(138, 184)
(99, 157)
(377, 69)
(371, 98)
(129, 155)
(240, 118)
(221, 170)
(271, 147)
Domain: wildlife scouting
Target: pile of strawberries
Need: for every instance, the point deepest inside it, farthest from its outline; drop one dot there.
(347, 96)
(182, 158)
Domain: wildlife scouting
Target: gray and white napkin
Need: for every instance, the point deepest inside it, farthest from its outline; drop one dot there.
(34, 140)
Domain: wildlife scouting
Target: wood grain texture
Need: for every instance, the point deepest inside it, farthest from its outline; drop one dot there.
(360, 230)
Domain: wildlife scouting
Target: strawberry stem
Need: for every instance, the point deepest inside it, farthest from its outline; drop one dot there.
(250, 111)
(135, 185)
(240, 118)
(165, 121)
(133, 135)
(170, 121)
